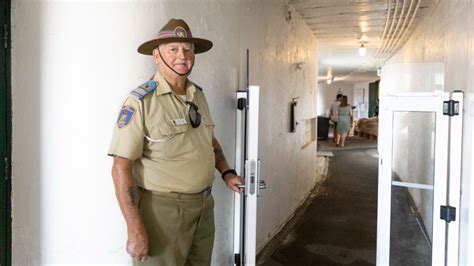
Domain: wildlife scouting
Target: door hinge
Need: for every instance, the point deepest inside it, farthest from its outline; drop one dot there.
(7, 168)
(448, 213)
(5, 36)
(451, 108)
(241, 103)
(237, 259)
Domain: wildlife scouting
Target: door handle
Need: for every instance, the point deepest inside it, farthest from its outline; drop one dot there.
(262, 185)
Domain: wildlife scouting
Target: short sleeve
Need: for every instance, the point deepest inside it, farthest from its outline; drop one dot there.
(128, 136)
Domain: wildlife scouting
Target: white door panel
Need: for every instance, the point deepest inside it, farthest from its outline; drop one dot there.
(413, 148)
(245, 208)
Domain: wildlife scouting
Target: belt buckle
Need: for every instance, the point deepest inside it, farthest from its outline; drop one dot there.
(207, 192)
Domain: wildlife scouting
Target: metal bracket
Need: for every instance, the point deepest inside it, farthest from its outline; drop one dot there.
(448, 213)
(237, 259)
(241, 103)
(250, 177)
(253, 176)
(5, 36)
(7, 168)
(451, 108)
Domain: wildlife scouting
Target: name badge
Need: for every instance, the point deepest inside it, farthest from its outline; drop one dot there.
(179, 121)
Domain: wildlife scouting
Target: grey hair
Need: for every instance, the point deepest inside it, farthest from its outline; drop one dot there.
(159, 46)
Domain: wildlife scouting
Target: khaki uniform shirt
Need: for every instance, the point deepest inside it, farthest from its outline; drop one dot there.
(153, 130)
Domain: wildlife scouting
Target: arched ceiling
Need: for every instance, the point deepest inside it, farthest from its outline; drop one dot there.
(341, 26)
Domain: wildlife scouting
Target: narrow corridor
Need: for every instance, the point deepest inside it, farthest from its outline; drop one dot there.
(339, 225)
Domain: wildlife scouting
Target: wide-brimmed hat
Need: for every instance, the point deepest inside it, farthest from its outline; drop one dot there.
(176, 30)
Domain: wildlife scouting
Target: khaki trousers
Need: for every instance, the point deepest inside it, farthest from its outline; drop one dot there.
(180, 228)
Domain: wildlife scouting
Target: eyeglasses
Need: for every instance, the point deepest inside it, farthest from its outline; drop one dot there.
(194, 115)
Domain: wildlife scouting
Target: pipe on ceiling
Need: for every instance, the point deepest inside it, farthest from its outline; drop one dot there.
(391, 42)
(388, 18)
(384, 41)
(396, 35)
(403, 28)
(396, 46)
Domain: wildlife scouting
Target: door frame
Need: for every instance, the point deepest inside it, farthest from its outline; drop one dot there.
(5, 135)
(252, 176)
(421, 102)
(248, 164)
(373, 96)
(240, 154)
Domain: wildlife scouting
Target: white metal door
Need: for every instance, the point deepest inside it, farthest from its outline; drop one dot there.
(248, 166)
(414, 190)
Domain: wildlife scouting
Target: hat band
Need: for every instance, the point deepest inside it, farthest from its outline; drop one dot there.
(174, 34)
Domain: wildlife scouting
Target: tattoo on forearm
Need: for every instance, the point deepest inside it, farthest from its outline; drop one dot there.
(219, 154)
(134, 195)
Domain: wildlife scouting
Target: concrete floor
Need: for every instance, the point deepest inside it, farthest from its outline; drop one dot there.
(337, 225)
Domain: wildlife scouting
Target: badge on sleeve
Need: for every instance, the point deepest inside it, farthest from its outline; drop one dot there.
(125, 116)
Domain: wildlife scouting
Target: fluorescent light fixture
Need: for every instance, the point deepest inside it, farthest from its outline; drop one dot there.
(330, 80)
(362, 50)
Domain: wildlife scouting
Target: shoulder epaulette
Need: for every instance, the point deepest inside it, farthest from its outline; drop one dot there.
(144, 89)
(195, 85)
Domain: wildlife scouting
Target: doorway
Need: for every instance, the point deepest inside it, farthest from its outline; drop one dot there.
(5, 137)
(373, 98)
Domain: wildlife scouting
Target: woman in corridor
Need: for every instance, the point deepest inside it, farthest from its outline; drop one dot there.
(344, 113)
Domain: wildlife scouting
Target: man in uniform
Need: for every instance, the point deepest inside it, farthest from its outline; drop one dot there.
(165, 153)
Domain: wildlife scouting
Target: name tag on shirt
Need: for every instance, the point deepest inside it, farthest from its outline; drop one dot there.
(179, 121)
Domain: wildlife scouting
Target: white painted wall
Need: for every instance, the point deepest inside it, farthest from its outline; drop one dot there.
(440, 56)
(327, 95)
(73, 62)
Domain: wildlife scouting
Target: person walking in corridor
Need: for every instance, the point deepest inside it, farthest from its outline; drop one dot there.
(333, 115)
(164, 154)
(344, 124)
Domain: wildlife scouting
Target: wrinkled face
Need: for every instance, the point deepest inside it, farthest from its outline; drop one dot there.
(178, 55)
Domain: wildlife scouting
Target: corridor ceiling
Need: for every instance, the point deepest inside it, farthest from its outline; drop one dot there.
(342, 26)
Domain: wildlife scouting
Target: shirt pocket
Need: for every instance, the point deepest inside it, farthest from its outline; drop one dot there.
(173, 141)
(207, 131)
